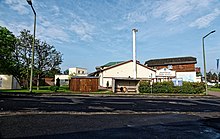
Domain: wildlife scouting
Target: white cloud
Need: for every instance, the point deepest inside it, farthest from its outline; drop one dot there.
(18, 5)
(54, 32)
(172, 10)
(43, 21)
(17, 27)
(205, 21)
(138, 12)
(83, 29)
(56, 10)
(137, 16)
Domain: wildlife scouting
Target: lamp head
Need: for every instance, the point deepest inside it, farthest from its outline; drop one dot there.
(29, 2)
(212, 31)
(135, 30)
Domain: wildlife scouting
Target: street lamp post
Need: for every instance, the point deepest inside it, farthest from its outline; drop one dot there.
(203, 48)
(33, 43)
(217, 60)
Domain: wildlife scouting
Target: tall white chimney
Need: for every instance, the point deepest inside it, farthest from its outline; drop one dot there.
(134, 53)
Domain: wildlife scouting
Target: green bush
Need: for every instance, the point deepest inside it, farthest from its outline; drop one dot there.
(216, 86)
(168, 87)
(54, 88)
(144, 87)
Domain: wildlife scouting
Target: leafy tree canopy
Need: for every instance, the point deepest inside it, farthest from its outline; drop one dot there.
(7, 48)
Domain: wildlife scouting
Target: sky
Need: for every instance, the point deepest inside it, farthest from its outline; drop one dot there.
(91, 33)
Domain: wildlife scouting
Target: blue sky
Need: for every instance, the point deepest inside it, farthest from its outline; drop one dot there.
(91, 33)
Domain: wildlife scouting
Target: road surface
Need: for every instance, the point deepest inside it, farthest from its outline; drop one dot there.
(109, 117)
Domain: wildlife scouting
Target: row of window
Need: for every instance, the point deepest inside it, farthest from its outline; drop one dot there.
(81, 72)
(168, 67)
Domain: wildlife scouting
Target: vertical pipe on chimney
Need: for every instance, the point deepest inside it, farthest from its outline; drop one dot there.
(134, 53)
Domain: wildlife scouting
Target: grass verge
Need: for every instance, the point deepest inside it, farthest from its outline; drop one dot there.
(214, 89)
(42, 89)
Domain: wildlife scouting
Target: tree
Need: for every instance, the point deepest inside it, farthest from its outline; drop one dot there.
(214, 77)
(52, 73)
(66, 72)
(209, 76)
(23, 56)
(7, 45)
(47, 59)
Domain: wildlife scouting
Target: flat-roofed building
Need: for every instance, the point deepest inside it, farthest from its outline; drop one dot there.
(184, 68)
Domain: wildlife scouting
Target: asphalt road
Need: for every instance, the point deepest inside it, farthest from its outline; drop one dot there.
(109, 117)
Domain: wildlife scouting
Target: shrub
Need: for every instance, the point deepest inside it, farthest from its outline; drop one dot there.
(168, 87)
(144, 87)
(54, 88)
(216, 86)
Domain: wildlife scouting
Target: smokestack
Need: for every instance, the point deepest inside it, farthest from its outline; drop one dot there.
(134, 53)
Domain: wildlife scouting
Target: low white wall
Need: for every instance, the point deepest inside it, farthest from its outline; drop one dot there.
(186, 76)
(8, 82)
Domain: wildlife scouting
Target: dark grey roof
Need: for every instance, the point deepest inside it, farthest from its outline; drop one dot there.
(171, 61)
(83, 77)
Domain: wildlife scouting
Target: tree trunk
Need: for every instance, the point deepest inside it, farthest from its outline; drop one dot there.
(38, 81)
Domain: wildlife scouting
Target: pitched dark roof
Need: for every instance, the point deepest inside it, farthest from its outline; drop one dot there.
(170, 61)
(109, 64)
(115, 65)
(112, 63)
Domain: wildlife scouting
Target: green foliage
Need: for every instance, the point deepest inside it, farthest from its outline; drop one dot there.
(54, 88)
(16, 54)
(212, 76)
(168, 87)
(66, 72)
(7, 49)
(216, 86)
(46, 58)
(144, 87)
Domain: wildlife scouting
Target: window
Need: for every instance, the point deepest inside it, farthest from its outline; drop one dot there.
(0, 82)
(170, 67)
(82, 72)
(78, 71)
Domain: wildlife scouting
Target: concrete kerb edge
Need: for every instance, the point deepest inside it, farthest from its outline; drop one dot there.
(200, 114)
(109, 95)
(133, 95)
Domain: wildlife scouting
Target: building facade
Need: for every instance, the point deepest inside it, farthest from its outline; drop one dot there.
(76, 71)
(181, 68)
(123, 70)
(8, 82)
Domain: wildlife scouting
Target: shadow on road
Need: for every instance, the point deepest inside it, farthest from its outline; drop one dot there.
(181, 130)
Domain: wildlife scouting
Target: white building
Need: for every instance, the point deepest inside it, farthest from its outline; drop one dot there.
(178, 67)
(122, 70)
(8, 82)
(76, 71)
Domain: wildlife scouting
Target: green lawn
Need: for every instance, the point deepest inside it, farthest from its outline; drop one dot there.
(43, 89)
(46, 89)
(214, 89)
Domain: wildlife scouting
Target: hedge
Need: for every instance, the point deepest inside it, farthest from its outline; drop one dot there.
(168, 87)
